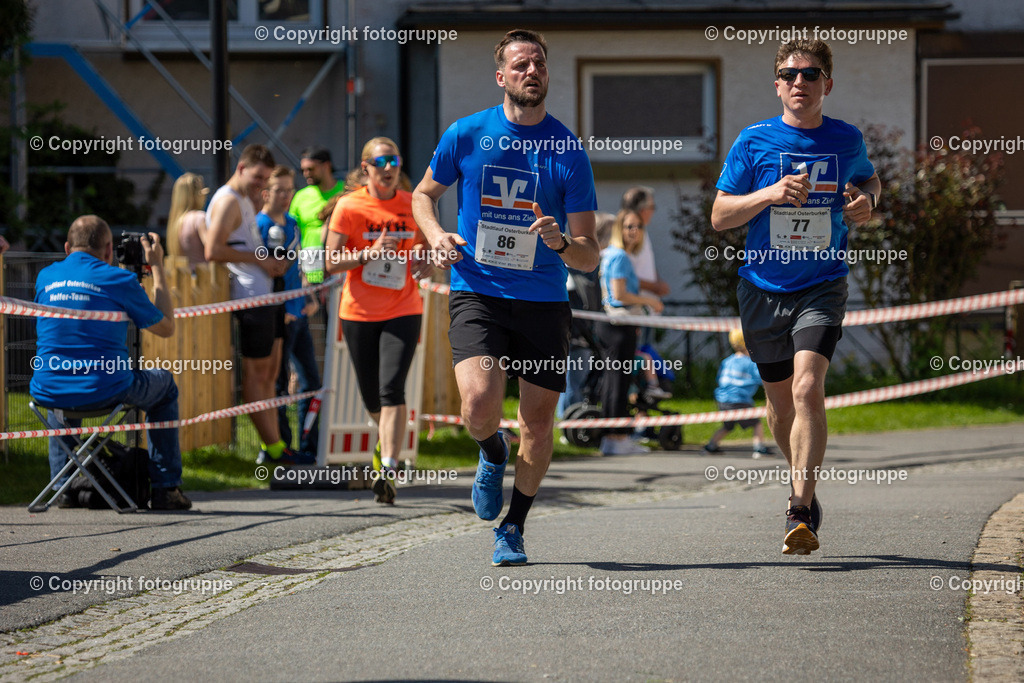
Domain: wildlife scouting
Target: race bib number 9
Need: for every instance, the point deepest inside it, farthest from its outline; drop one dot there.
(505, 246)
(386, 273)
(804, 228)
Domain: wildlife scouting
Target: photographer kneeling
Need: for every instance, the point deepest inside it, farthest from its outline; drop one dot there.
(86, 365)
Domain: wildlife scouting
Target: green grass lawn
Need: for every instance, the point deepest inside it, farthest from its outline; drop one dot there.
(995, 401)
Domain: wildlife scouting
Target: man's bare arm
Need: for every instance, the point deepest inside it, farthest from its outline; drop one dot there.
(225, 217)
(583, 252)
(424, 211)
(733, 210)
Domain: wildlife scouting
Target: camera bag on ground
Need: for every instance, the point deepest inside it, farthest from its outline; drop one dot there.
(129, 466)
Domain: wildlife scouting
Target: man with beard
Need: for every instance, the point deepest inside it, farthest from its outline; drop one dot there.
(522, 176)
(307, 202)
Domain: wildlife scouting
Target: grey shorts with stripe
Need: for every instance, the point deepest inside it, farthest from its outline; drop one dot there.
(770, 318)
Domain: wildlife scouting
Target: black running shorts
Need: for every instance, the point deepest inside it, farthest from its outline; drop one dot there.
(527, 339)
(258, 328)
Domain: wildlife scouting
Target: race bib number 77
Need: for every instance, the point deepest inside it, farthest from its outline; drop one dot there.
(803, 228)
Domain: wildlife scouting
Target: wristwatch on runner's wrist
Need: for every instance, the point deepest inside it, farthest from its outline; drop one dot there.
(565, 244)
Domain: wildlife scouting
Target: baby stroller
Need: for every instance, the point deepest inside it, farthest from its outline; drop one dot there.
(670, 437)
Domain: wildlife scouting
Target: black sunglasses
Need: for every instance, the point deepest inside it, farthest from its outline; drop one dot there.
(810, 73)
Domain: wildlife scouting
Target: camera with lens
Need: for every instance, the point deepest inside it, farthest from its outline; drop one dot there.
(129, 252)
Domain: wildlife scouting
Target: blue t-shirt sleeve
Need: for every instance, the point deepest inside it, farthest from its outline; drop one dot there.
(737, 175)
(862, 167)
(618, 266)
(263, 222)
(136, 303)
(444, 165)
(580, 194)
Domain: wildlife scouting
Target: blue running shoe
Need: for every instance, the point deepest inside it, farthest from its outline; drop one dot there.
(487, 495)
(508, 547)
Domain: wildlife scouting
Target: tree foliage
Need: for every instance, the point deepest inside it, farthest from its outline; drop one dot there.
(55, 198)
(938, 206)
(716, 277)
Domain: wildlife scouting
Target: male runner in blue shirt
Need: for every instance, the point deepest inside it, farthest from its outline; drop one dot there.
(521, 176)
(794, 179)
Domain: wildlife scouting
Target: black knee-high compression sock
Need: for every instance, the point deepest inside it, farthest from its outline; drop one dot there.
(494, 449)
(518, 509)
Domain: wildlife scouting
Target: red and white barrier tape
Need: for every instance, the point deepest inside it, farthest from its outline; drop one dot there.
(11, 306)
(243, 409)
(928, 309)
(253, 301)
(854, 399)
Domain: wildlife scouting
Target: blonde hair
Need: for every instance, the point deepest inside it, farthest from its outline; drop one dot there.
(357, 177)
(737, 341)
(186, 196)
(616, 238)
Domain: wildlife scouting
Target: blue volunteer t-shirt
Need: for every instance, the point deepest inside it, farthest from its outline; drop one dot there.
(502, 168)
(86, 362)
(833, 154)
(615, 264)
(738, 380)
(292, 239)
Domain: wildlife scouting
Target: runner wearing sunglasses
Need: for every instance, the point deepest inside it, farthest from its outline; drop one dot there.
(373, 235)
(794, 179)
(523, 179)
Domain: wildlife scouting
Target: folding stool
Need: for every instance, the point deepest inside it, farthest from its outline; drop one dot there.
(84, 453)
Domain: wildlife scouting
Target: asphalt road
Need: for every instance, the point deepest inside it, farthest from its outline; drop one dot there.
(726, 604)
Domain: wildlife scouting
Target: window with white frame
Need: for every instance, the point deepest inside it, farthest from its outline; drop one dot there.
(625, 103)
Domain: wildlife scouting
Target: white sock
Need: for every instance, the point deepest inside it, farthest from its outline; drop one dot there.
(389, 463)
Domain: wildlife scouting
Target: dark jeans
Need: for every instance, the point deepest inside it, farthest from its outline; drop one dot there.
(619, 342)
(155, 392)
(297, 351)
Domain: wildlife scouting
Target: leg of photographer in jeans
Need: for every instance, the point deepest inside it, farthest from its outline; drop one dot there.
(155, 392)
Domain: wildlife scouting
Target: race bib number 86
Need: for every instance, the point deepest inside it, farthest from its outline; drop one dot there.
(505, 246)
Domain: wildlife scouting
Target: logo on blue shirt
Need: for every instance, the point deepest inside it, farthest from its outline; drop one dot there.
(822, 170)
(507, 193)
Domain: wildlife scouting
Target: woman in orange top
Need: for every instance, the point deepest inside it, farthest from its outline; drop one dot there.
(373, 236)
